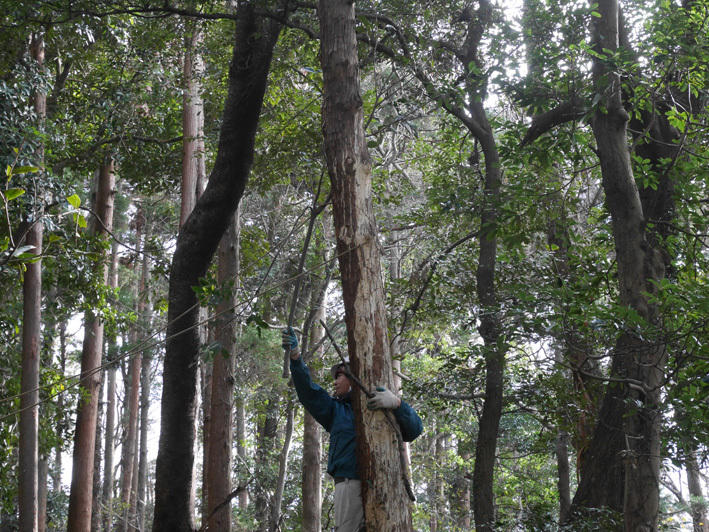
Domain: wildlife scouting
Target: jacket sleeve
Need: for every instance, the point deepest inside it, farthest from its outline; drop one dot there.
(409, 422)
(313, 397)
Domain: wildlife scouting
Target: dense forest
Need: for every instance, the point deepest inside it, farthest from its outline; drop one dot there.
(497, 209)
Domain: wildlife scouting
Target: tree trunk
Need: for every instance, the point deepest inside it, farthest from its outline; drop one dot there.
(132, 398)
(31, 345)
(42, 474)
(57, 472)
(563, 481)
(312, 452)
(622, 470)
(80, 498)
(437, 487)
(96, 490)
(222, 401)
(146, 317)
(196, 244)
(462, 489)
(384, 497)
(698, 508)
(194, 173)
(241, 445)
(265, 456)
(107, 488)
(282, 467)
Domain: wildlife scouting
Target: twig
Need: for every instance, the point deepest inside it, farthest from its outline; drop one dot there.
(387, 414)
(222, 504)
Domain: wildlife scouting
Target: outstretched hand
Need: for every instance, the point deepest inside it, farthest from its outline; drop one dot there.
(290, 341)
(383, 398)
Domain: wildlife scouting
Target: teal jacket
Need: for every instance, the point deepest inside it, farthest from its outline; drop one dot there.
(337, 417)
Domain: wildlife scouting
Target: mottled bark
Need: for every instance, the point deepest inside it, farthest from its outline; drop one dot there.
(196, 244)
(384, 497)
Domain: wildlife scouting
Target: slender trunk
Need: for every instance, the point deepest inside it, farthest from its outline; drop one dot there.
(312, 452)
(31, 345)
(57, 472)
(132, 406)
(265, 456)
(96, 513)
(196, 244)
(146, 318)
(462, 500)
(490, 329)
(563, 482)
(206, 368)
(193, 160)
(437, 495)
(80, 498)
(42, 475)
(107, 489)
(698, 507)
(282, 467)
(241, 445)
(111, 370)
(222, 399)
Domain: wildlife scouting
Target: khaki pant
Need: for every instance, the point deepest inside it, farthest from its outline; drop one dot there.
(349, 515)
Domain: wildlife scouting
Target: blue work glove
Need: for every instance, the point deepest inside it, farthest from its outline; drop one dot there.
(383, 398)
(289, 339)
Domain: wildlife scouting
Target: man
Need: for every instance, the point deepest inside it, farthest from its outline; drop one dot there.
(336, 416)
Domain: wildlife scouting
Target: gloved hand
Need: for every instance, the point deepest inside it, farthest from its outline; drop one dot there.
(383, 398)
(289, 340)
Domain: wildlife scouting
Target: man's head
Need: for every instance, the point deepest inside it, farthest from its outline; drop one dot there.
(342, 383)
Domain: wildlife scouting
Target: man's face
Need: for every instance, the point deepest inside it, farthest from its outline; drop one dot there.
(342, 384)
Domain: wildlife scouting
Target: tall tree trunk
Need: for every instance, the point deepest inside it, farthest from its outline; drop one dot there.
(241, 445)
(437, 486)
(194, 173)
(80, 498)
(698, 507)
(146, 319)
(42, 474)
(222, 401)
(111, 370)
(107, 488)
(384, 496)
(282, 467)
(206, 410)
(57, 470)
(312, 451)
(563, 480)
(623, 464)
(265, 457)
(490, 326)
(96, 513)
(31, 344)
(462, 489)
(132, 400)
(196, 244)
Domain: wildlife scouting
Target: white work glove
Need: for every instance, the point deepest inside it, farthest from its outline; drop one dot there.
(383, 398)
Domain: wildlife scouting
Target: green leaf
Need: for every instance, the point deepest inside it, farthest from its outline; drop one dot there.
(74, 201)
(13, 193)
(24, 170)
